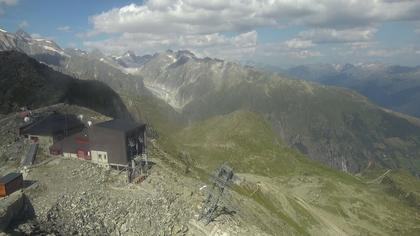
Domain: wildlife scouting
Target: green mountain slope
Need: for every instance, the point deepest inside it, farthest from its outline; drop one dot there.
(242, 139)
(337, 127)
(282, 191)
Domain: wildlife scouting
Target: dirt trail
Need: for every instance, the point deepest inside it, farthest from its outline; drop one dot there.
(329, 226)
(379, 179)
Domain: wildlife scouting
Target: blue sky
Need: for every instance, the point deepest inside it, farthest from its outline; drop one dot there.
(45, 17)
(277, 32)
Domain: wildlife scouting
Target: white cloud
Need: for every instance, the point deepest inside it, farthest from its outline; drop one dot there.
(36, 36)
(361, 45)
(392, 52)
(211, 16)
(39, 36)
(6, 3)
(306, 54)
(299, 43)
(282, 50)
(339, 36)
(23, 24)
(65, 28)
(181, 17)
(216, 45)
(203, 26)
(9, 2)
(382, 52)
(86, 34)
(72, 45)
(353, 39)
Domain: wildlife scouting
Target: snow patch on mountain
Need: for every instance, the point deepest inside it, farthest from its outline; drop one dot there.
(52, 49)
(172, 58)
(43, 40)
(132, 71)
(169, 95)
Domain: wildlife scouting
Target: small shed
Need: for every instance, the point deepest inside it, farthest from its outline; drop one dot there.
(117, 142)
(10, 183)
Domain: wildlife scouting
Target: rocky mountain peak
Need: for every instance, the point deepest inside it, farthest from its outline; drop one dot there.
(96, 53)
(347, 66)
(23, 34)
(130, 53)
(130, 60)
(186, 53)
(75, 51)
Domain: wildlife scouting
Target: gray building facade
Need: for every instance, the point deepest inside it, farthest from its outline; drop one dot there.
(116, 142)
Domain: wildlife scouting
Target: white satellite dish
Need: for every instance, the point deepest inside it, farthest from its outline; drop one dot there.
(89, 123)
(80, 117)
(26, 119)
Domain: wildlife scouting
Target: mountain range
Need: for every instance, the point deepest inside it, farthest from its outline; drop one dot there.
(338, 127)
(393, 87)
(335, 126)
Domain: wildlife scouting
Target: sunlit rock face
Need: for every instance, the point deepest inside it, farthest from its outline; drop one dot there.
(23, 42)
(180, 77)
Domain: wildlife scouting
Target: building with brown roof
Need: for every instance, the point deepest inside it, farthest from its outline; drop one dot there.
(115, 142)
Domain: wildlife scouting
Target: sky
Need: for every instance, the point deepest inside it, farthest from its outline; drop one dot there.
(271, 32)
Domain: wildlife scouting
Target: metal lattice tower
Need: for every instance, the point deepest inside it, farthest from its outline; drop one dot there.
(221, 179)
(139, 168)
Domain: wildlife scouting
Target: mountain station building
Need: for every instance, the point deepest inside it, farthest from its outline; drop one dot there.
(111, 143)
(117, 142)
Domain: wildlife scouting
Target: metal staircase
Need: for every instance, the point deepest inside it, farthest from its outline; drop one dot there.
(30, 156)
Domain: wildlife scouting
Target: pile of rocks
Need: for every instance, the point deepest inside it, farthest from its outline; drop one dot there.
(17, 216)
(30, 227)
(99, 213)
(74, 197)
(81, 198)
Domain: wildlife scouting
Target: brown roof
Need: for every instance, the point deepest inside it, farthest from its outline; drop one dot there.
(52, 124)
(120, 124)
